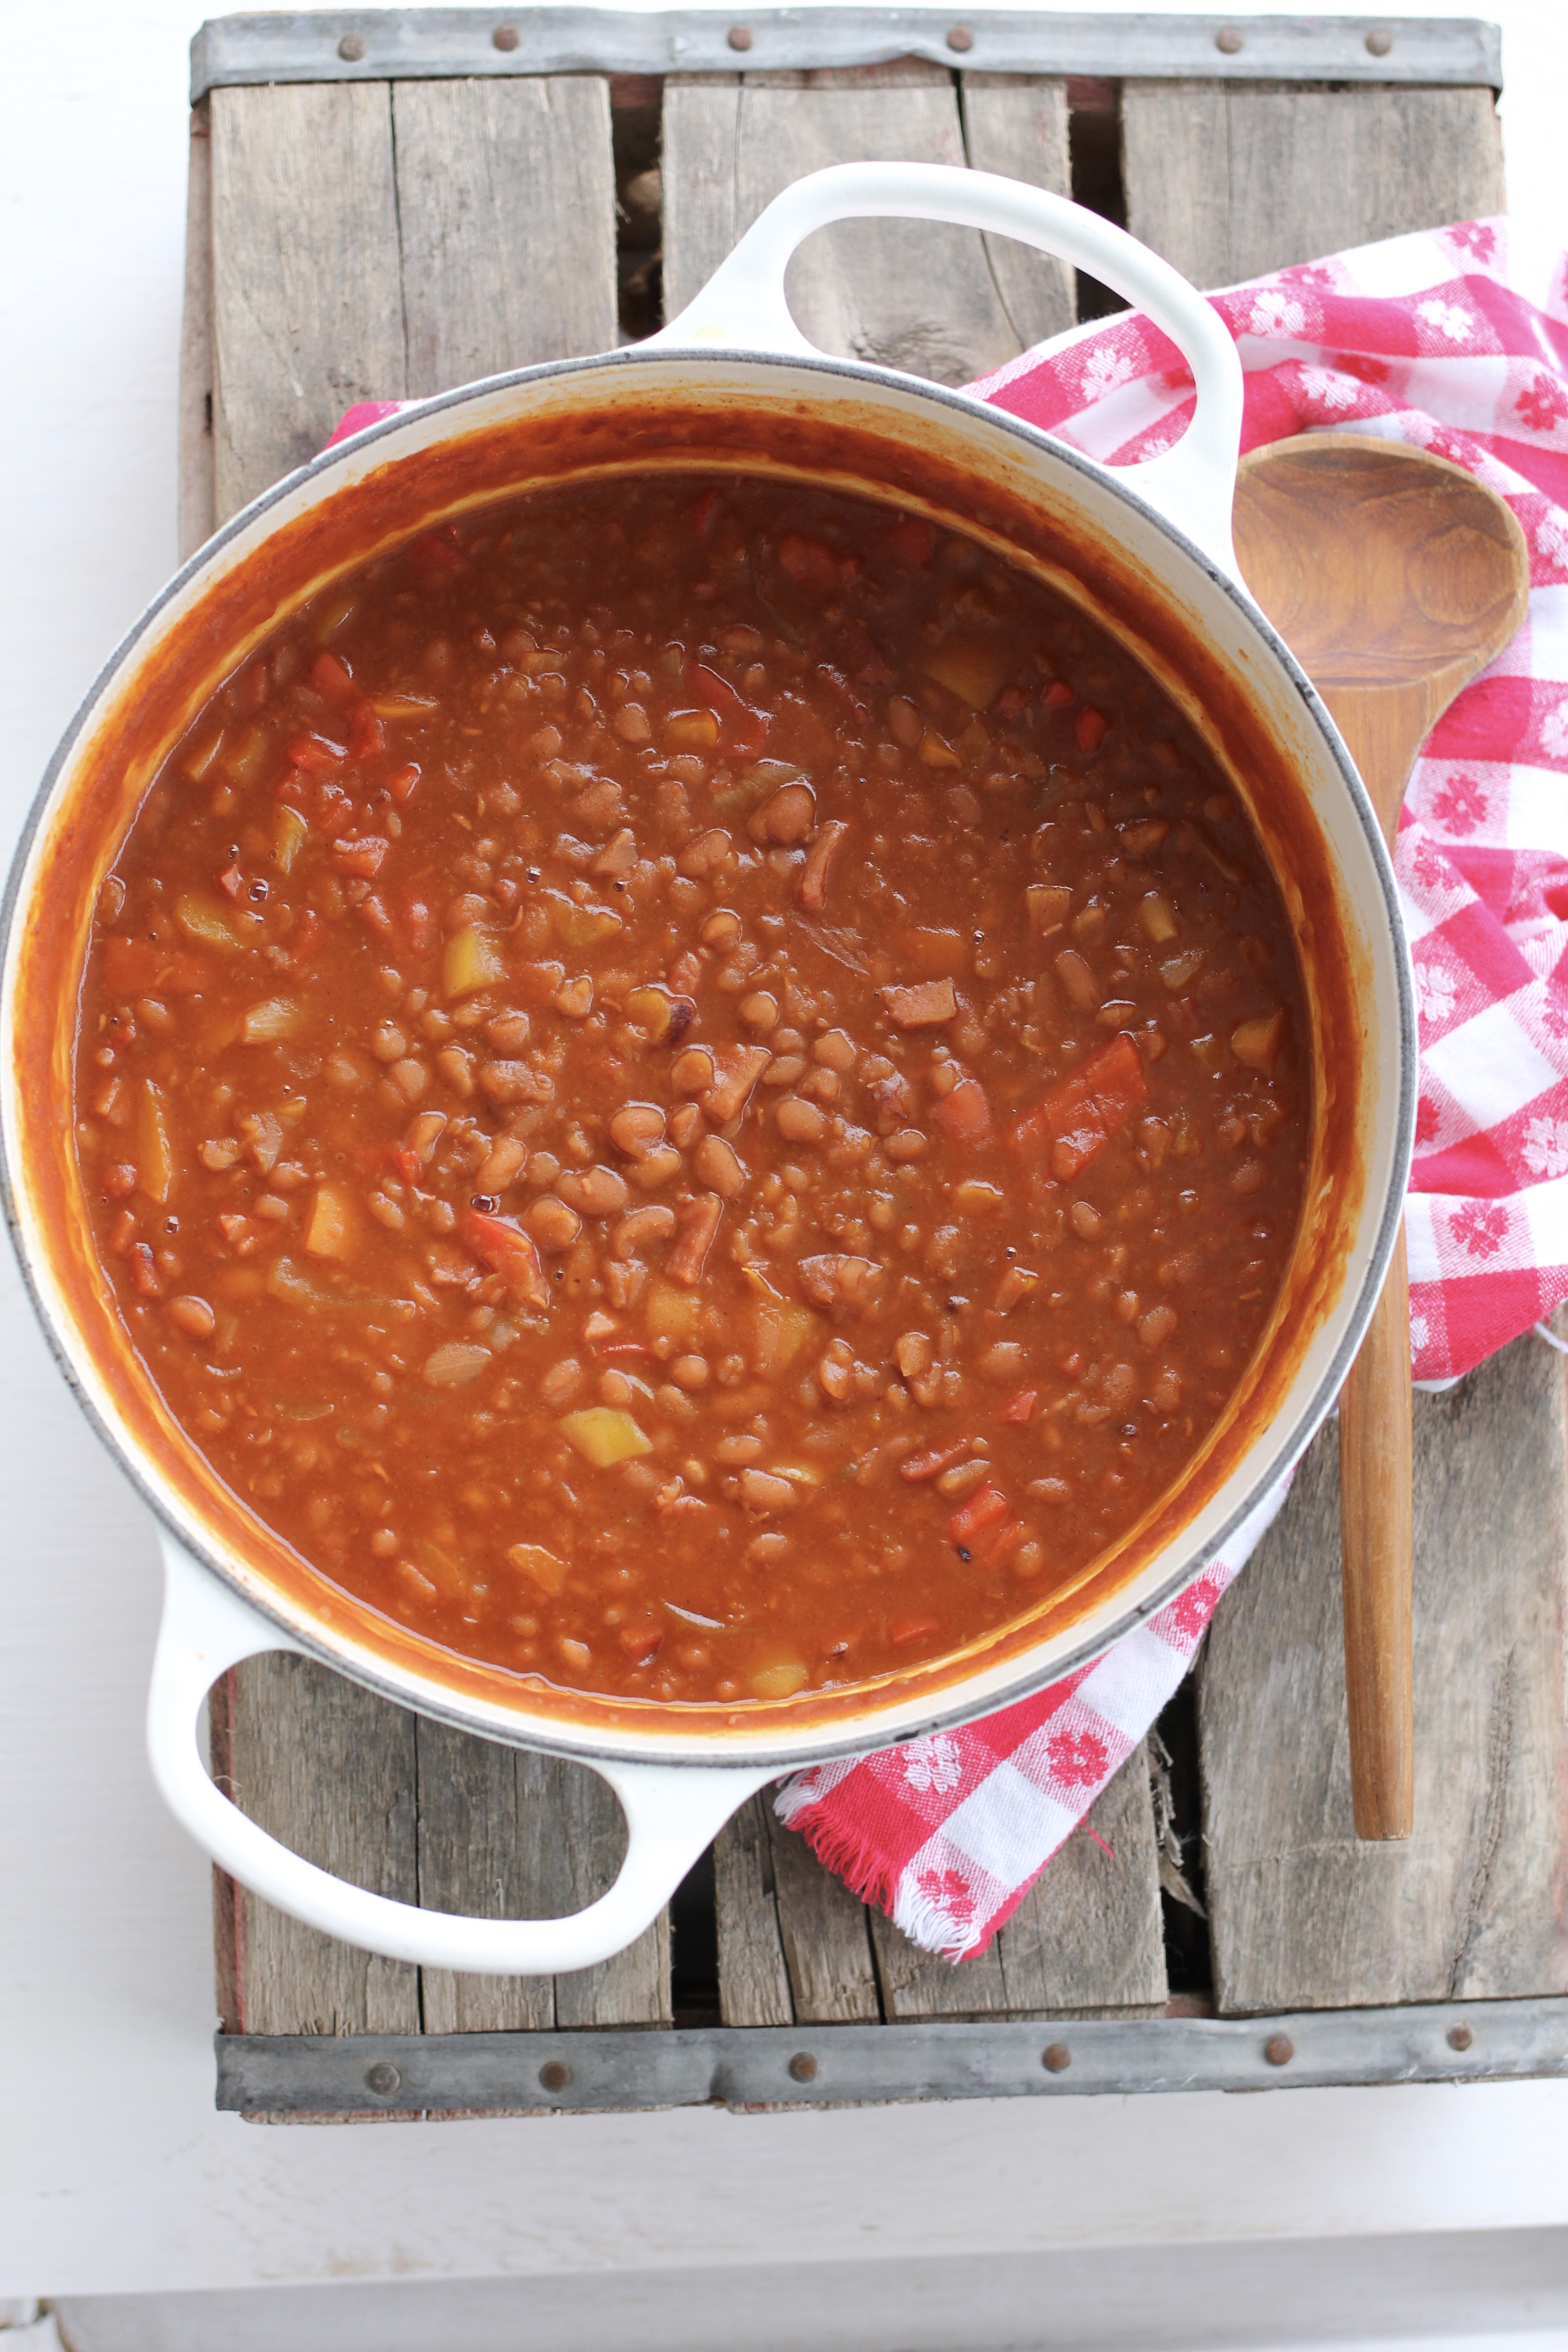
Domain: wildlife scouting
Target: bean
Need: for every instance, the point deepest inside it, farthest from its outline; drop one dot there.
(387, 1043)
(553, 1225)
(685, 1125)
(1249, 1177)
(1156, 1325)
(640, 1229)
(193, 1317)
(502, 1165)
(457, 1069)
(800, 1122)
(575, 998)
(1078, 984)
(705, 855)
(733, 1450)
(636, 1129)
(964, 1478)
(784, 1070)
(762, 1493)
(596, 1191)
(385, 1212)
(716, 1164)
(760, 1011)
(508, 1033)
(657, 1168)
(785, 817)
(908, 1144)
(836, 1051)
(410, 1079)
(905, 721)
(384, 1543)
(722, 930)
(618, 857)
(912, 1354)
(1085, 1220)
(689, 1372)
(616, 1388)
(814, 878)
(631, 723)
(692, 1071)
(1165, 1390)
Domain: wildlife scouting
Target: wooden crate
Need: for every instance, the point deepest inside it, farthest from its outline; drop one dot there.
(361, 228)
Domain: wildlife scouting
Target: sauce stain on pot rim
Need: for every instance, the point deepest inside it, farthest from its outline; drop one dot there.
(397, 488)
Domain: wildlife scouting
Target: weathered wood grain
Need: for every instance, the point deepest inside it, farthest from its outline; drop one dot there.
(1085, 1941)
(1472, 1907)
(1230, 179)
(307, 290)
(507, 1834)
(503, 196)
(909, 294)
(753, 1979)
(329, 1770)
(1017, 124)
(825, 1932)
(505, 206)
(197, 513)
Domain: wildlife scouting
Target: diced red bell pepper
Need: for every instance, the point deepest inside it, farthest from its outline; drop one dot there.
(359, 854)
(985, 1509)
(367, 736)
(912, 1629)
(401, 783)
(335, 812)
(508, 1251)
(991, 1546)
(742, 728)
(703, 510)
(1081, 1114)
(332, 679)
(934, 1458)
(1058, 695)
(965, 1115)
(1019, 1410)
(407, 1163)
(642, 1644)
(291, 787)
(307, 934)
(1089, 728)
(315, 755)
(144, 1273)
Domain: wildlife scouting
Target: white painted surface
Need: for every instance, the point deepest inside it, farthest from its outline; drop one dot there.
(116, 2178)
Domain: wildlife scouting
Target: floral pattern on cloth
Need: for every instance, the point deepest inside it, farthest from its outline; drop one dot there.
(1456, 341)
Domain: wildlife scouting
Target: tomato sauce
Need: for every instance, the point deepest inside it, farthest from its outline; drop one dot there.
(693, 1087)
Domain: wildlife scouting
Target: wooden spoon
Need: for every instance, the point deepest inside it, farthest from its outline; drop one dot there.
(1394, 577)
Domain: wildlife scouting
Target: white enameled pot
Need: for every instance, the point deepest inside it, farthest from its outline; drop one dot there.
(1147, 553)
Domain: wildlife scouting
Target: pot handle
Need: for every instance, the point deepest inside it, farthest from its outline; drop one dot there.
(672, 1811)
(742, 306)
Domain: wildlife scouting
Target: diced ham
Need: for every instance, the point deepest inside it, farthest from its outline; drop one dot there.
(813, 889)
(736, 1071)
(924, 1006)
(694, 1239)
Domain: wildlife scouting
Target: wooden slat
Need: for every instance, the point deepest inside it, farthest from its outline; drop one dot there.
(1086, 1941)
(506, 203)
(939, 302)
(1227, 179)
(197, 498)
(328, 1770)
(909, 294)
(1470, 1908)
(503, 194)
(307, 292)
(1017, 124)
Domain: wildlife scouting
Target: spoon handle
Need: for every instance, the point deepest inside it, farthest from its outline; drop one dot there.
(1375, 1536)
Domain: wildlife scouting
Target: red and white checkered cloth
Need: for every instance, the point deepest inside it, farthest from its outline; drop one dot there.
(1456, 341)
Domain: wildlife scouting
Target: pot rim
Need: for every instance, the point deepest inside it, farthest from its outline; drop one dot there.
(641, 1741)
